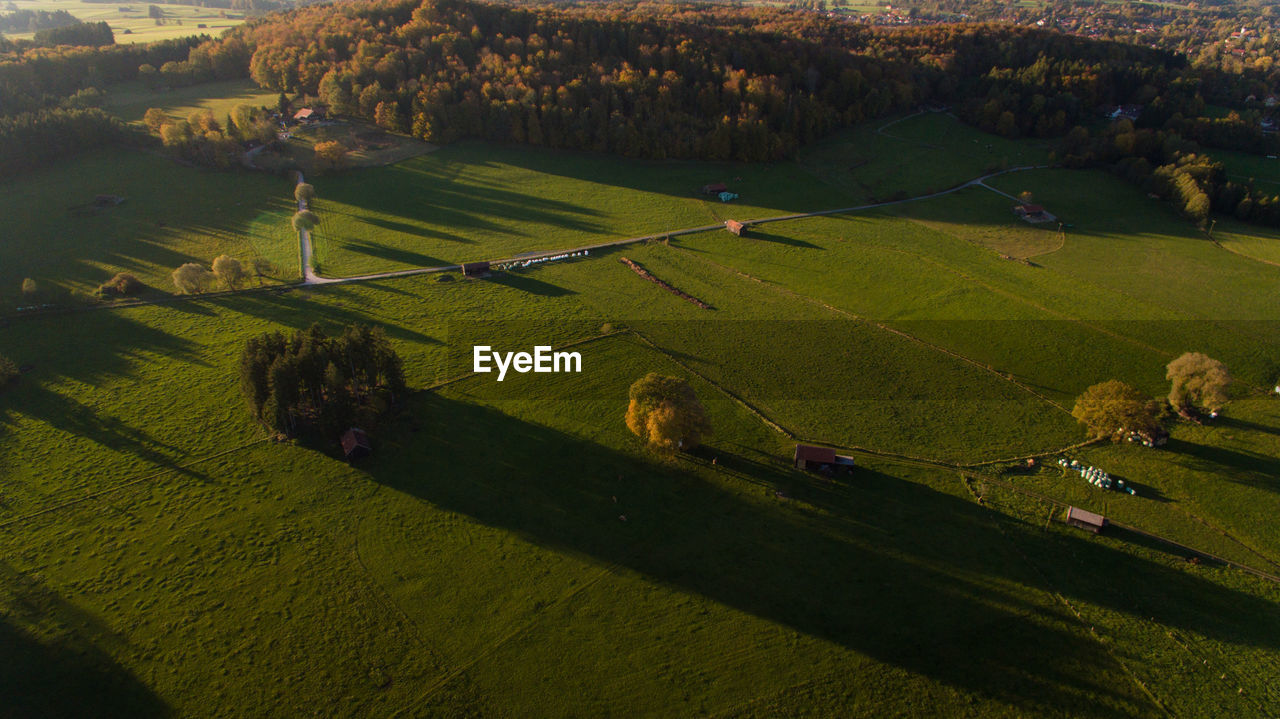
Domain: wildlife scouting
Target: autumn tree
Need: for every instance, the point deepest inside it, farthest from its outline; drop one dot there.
(1199, 382)
(155, 118)
(665, 413)
(330, 155)
(1114, 409)
(229, 271)
(304, 192)
(191, 278)
(305, 220)
(121, 284)
(29, 288)
(262, 267)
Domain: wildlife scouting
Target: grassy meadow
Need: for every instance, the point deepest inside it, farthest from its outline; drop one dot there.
(511, 549)
(130, 22)
(131, 100)
(171, 215)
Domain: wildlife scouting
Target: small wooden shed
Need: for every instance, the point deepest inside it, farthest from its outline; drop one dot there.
(714, 188)
(814, 458)
(475, 269)
(735, 227)
(355, 444)
(1085, 520)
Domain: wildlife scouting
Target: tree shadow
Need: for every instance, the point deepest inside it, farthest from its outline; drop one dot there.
(886, 567)
(57, 659)
(531, 285)
(755, 234)
(410, 229)
(1234, 465)
(294, 311)
(1237, 423)
(392, 254)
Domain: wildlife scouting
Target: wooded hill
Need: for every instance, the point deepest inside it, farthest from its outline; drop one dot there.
(684, 81)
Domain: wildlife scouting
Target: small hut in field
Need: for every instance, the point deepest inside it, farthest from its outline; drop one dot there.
(1085, 520)
(355, 444)
(475, 269)
(735, 227)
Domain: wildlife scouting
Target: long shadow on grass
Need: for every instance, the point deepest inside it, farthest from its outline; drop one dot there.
(531, 285)
(392, 254)
(1244, 467)
(410, 229)
(57, 659)
(889, 568)
(294, 311)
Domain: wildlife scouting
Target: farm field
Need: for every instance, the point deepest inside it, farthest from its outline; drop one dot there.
(134, 25)
(511, 549)
(171, 215)
(131, 100)
(473, 201)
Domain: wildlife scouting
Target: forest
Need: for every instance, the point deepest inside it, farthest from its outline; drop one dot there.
(666, 81)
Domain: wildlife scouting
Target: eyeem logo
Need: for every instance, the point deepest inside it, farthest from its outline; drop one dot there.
(542, 360)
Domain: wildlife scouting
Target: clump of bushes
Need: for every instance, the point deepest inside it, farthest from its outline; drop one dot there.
(122, 284)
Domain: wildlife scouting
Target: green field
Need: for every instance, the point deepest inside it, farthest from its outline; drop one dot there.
(512, 550)
(130, 100)
(130, 22)
(171, 215)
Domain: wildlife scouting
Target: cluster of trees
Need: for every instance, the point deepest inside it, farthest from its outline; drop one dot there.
(32, 78)
(90, 34)
(202, 140)
(193, 278)
(314, 381)
(1172, 167)
(1113, 409)
(32, 139)
(666, 414)
(35, 20)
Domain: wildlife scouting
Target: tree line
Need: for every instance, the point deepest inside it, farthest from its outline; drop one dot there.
(1172, 167)
(704, 82)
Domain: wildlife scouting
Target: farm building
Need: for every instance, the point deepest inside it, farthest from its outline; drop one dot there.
(1088, 521)
(1033, 213)
(355, 444)
(309, 114)
(475, 269)
(820, 459)
(735, 227)
(714, 188)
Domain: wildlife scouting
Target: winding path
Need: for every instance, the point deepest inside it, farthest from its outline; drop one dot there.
(309, 276)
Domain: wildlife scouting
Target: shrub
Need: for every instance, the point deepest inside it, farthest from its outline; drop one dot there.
(122, 284)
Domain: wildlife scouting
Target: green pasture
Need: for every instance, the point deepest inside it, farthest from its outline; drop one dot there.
(130, 22)
(473, 201)
(131, 100)
(171, 215)
(284, 562)
(510, 549)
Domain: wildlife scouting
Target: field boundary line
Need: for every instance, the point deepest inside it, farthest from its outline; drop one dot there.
(887, 328)
(1051, 589)
(129, 483)
(723, 390)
